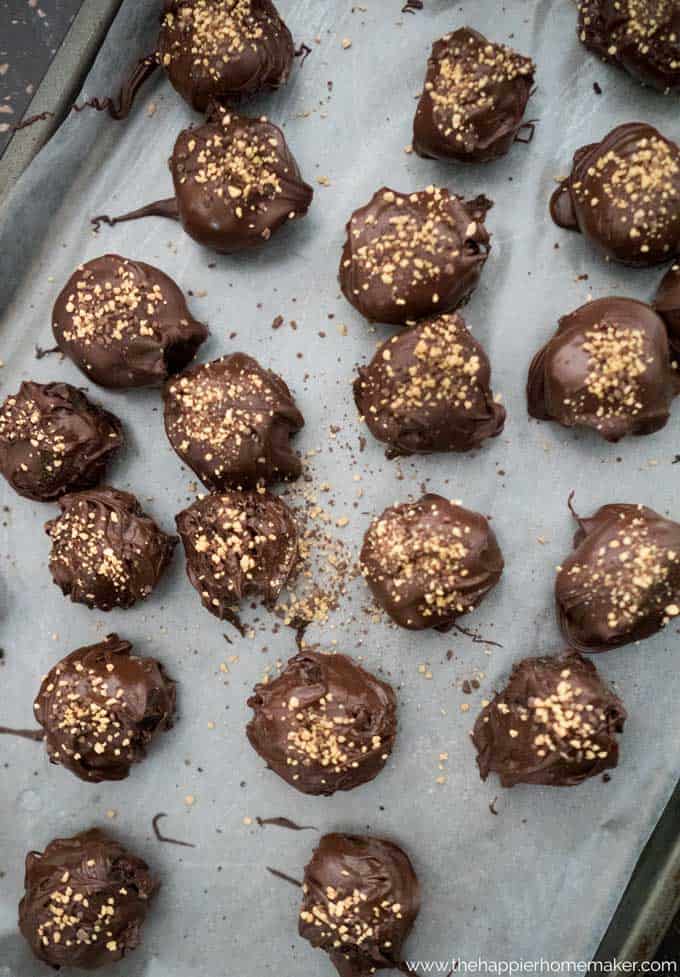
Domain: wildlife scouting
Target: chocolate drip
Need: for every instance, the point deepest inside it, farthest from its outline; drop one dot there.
(119, 108)
(160, 208)
(37, 735)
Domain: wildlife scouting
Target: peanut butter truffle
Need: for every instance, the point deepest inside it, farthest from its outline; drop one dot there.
(473, 100)
(237, 545)
(106, 552)
(667, 304)
(621, 583)
(54, 440)
(428, 389)
(607, 367)
(230, 421)
(125, 323)
(85, 902)
(428, 562)
(324, 724)
(555, 723)
(360, 900)
(100, 708)
(409, 256)
(623, 194)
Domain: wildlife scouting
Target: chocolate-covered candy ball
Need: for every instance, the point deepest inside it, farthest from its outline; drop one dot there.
(53, 440)
(412, 255)
(100, 708)
(623, 194)
(125, 323)
(86, 900)
(667, 304)
(607, 367)
(428, 389)
(473, 100)
(238, 544)
(223, 49)
(230, 421)
(360, 900)
(430, 561)
(621, 583)
(555, 723)
(324, 724)
(640, 36)
(106, 552)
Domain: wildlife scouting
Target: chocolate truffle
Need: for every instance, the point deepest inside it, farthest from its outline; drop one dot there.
(324, 724)
(236, 183)
(667, 304)
(640, 36)
(238, 544)
(623, 194)
(100, 708)
(473, 101)
(555, 723)
(86, 900)
(412, 255)
(360, 900)
(428, 562)
(125, 323)
(106, 552)
(54, 440)
(622, 581)
(607, 367)
(428, 389)
(230, 421)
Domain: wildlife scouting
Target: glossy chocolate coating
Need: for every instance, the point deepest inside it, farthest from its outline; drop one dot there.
(324, 724)
(230, 421)
(607, 367)
(360, 900)
(430, 561)
(237, 545)
(555, 723)
(54, 440)
(428, 389)
(414, 255)
(125, 323)
(473, 100)
(640, 36)
(667, 304)
(85, 902)
(106, 552)
(223, 49)
(623, 194)
(100, 708)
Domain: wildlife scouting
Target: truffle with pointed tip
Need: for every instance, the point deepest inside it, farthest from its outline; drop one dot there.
(428, 389)
(238, 545)
(86, 899)
(361, 897)
(555, 723)
(623, 195)
(473, 100)
(323, 724)
(106, 551)
(230, 421)
(101, 706)
(428, 562)
(54, 440)
(607, 367)
(621, 583)
(125, 323)
(667, 304)
(409, 256)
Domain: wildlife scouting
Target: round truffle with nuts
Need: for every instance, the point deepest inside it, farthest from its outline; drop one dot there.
(473, 100)
(621, 583)
(408, 256)
(428, 562)
(100, 708)
(85, 902)
(667, 304)
(324, 724)
(555, 723)
(125, 323)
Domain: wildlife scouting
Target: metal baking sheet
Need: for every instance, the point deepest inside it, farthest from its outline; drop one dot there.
(543, 877)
